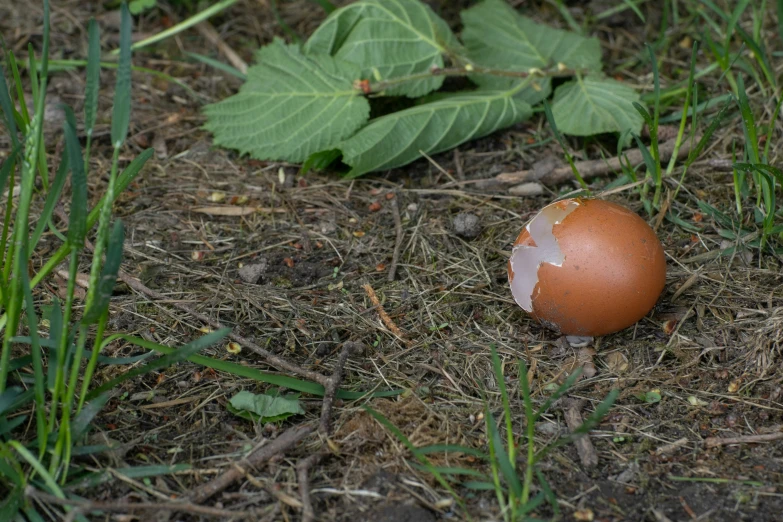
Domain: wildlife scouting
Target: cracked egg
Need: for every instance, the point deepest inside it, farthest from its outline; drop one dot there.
(587, 267)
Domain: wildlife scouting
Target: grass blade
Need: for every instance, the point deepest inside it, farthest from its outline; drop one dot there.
(52, 197)
(120, 118)
(81, 423)
(108, 275)
(452, 448)
(39, 387)
(175, 356)
(7, 107)
(749, 123)
(507, 468)
(220, 66)
(386, 423)
(77, 225)
(93, 76)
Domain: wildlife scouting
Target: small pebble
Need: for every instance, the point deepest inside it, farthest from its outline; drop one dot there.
(530, 188)
(254, 272)
(467, 225)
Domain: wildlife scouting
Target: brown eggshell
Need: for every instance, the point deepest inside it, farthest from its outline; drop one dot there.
(613, 273)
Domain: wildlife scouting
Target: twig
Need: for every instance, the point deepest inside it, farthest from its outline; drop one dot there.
(82, 507)
(398, 241)
(573, 418)
(589, 168)
(209, 32)
(384, 316)
(349, 348)
(303, 475)
(713, 442)
(281, 444)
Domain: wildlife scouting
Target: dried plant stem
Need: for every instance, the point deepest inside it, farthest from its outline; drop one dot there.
(333, 384)
(280, 445)
(590, 168)
(303, 475)
(573, 417)
(713, 442)
(209, 32)
(384, 316)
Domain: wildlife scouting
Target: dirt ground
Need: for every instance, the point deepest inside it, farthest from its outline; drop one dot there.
(712, 345)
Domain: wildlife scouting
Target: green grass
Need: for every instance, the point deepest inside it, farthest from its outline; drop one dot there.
(52, 378)
(519, 492)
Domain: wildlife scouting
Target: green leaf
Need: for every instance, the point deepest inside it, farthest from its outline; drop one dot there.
(139, 6)
(291, 106)
(263, 407)
(650, 397)
(591, 105)
(399, 138)
(320, 160)
(498, 37)
(388, 39)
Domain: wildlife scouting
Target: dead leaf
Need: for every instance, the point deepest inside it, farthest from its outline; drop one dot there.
(617, 362)
(584, 515)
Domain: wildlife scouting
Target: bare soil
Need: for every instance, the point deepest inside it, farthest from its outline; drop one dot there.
(712, 345)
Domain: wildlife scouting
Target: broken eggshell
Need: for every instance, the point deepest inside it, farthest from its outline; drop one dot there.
(586, 267)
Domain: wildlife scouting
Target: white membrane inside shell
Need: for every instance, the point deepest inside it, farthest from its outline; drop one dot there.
(525, 260)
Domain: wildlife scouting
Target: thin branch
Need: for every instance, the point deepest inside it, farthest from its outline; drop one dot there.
(280, 445)
(589, 168)
(303, 475)
(712, 442)
(81, 507)
(573, 417)
(349, 348)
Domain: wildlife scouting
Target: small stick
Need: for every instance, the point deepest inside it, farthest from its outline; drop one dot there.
(384, 316)
(349, 348)
(209, 32)
(713, 442)
(591, 168)
(303, 475)
(398, 241)
(82, 507)
(280, 445)
(573, 418)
